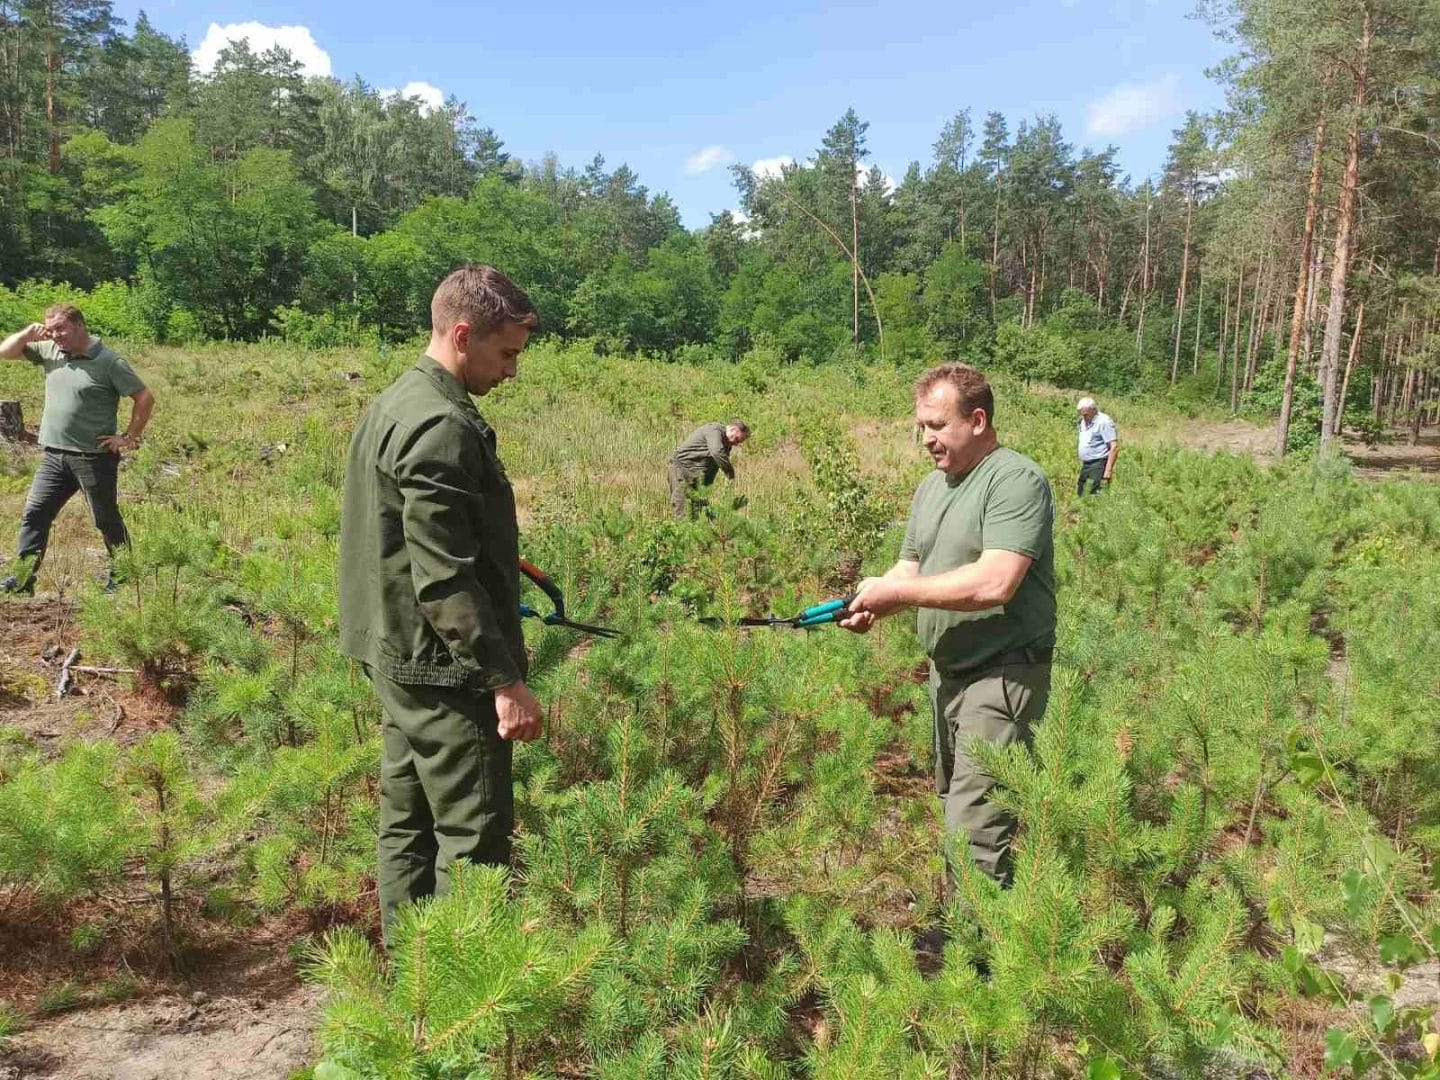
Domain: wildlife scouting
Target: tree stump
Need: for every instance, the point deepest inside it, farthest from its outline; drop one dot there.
(12, 423)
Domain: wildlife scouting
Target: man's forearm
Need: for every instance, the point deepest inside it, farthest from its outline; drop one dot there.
(13, 347)
(966, 588)
(141, 407)
(905, 568)
(1110, 458)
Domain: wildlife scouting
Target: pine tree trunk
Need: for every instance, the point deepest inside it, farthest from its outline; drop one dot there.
(1224, 340)
(1297, 317)
(854, 257)
(1378, 382)
(1257, 338)
(963, 249)
(1349, 367)
(1419, 408)
(1180, 298)
(1144, 288)
(1256, 319)
(1199, 320)
(1312, 307)
(994, 255)
(52, 65)
(1235, 343)
(1340, 275)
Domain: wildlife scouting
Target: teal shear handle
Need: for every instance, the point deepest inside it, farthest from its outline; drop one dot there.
(828, 612)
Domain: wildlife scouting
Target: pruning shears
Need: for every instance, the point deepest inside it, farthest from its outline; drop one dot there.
(556, 617)
(828, 612)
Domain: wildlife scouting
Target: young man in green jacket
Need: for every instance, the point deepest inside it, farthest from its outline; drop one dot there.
(430, 592)
(978, 562)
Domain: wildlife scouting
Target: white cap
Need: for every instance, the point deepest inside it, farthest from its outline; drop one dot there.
(1085, 403)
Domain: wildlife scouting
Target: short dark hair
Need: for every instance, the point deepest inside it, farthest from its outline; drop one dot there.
(484, 298)
(744, 427)
(972, 391)
(69, 312)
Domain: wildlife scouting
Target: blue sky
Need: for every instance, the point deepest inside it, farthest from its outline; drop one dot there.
(679, 91)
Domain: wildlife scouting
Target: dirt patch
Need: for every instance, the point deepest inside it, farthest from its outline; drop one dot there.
(1230, 436)
(36, 637)
(1397, 457)
(249, 1018)
(1393, 458)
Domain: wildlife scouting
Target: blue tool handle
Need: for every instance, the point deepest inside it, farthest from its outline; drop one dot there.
(830, 611)
(528, 612)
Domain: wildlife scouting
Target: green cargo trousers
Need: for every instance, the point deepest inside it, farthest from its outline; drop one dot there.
(445, 788)
(682, 487)
(999, 705)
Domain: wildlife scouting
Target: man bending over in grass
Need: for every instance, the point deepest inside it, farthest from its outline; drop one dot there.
(978, 562)
(84, 382)
(696, 461)
(430, 593)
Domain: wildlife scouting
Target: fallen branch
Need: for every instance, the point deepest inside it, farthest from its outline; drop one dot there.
(103, 670)
(63, 687)
(119, 715)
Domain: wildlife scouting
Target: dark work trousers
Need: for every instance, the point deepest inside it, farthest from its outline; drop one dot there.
(446, 791)
(999, 705)
(61, 474)
(1094, 473)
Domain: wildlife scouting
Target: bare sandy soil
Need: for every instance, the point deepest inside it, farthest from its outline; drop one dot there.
(1395, 457)
(246, 1016)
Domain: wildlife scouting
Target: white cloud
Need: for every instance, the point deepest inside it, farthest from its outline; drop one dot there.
(772, 166)
(298, 40)
(707, 159)
(1133, 107)
(431, 97)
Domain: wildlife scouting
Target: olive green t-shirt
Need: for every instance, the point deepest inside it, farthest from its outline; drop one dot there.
(82, 394)
(703, 454)
(1003, 503)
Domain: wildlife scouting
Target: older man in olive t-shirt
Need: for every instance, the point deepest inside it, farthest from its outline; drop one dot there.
(84, 382)
(696, 462)
(978, 561)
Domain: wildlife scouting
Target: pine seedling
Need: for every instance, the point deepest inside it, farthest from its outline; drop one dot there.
(318, 804)
(298, 592)
(165, 619)
(474, 978)
(663, 976)
(1186, 989)
(169, 818)
(601, 835)
(65, 826)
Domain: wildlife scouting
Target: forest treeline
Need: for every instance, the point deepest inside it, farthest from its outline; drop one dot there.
(1288, 251)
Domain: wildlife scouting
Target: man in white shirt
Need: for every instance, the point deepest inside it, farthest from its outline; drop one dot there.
(1099, 446)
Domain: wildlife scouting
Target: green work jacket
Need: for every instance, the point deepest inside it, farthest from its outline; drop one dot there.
(429, 544)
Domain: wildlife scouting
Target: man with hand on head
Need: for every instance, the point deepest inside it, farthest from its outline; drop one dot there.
(84, 382)
(1099, 446)
(430, 592)
(978, 563)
